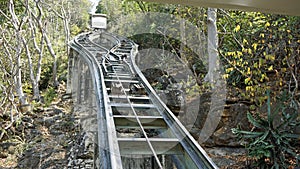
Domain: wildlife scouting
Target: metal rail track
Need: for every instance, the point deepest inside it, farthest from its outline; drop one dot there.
(135, 128)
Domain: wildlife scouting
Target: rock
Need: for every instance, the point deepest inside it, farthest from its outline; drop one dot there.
(61, 139)
(232, 116)
(55, 111)
(158, 78)
(235, 116)
(3, 154)
(49, 121)
(137, 89)
(11, 149)
(219, 161)
(167, 89)
(226, 156)
(204, 107)
(25, 108)
(174, 99)
(29, 160)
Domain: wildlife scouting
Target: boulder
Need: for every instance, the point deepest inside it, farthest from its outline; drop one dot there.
(232, 116)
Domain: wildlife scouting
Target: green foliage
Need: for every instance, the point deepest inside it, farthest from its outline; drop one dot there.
(75, 30)
(134, 6)
(100, 8)
(46, 75)
(49, 95)
(273, 137)
(21, 142)
(112, 8)
(257, 48)
(4, 8)
(158, 86)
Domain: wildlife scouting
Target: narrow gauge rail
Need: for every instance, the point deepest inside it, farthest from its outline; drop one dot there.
(135, 128)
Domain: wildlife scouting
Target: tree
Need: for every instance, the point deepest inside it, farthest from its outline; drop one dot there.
(14, 52)
(27, 50)
(257, 50)
(212, 36)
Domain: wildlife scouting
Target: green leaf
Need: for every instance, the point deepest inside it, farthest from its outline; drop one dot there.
(290, 135)
(263, 137)
(290, 151)
(276, 165)
(247, 80)
(251, 134)
(255, 122)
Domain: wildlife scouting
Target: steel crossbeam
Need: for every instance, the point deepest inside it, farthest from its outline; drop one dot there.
(133, 124)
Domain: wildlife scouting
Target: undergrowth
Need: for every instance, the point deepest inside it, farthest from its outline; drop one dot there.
(273, 139)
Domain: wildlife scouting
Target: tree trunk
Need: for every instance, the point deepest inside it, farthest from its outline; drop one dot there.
(48, 42)
(34, 76)
(66, 26)
(212, 34)
(182, 40)
(17, 69)
(18, 79)
(35, 86)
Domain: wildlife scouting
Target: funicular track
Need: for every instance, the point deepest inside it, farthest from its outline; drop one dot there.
(135, 128)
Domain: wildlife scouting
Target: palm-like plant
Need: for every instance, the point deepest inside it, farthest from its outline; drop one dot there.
(273, 137)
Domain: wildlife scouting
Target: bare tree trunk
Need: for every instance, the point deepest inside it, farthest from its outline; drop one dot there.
(213, 65)
(18, 72)
(47, 41)
(65, 19)
(34, 77)
(35, 86)
(218, 85)
(54, 69)
(10, 75)
(183, 40)
(39, 48)
(19, 85)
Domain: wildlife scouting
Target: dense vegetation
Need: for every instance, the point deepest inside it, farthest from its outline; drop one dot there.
(33, 53)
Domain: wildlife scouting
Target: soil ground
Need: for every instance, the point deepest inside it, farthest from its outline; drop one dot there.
(44, 138)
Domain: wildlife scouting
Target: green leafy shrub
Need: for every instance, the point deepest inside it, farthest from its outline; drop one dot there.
(273, 139)
(49, 96)
(259, 51)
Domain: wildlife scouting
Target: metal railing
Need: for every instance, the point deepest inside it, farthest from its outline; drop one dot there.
(135, 128)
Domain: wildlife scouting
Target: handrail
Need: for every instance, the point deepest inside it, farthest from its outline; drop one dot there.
(170, 118)
(98, 79)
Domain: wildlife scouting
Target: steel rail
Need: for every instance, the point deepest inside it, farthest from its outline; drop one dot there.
(110, 146)
(196, 152)
(107, 158)
(141, 126)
